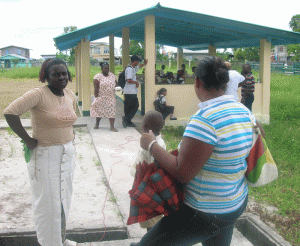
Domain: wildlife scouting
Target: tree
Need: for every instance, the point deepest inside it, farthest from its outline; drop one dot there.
(295, 23)
(138, 48)
(71, 57)
(294, 48)
(249, 54)
(225, 55)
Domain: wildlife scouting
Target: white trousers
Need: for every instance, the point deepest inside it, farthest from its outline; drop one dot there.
(51, 171)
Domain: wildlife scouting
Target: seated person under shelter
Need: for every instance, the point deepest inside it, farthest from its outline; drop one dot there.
(181, 75)
(161, 106)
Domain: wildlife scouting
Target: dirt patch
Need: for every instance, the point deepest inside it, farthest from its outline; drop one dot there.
(90, 191)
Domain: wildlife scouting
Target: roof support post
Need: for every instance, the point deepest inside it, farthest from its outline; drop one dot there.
(150, 54)
(265, 76)
(179, 57)
(78, 73)
(125, 47)
(112, 53)
(76, 70)
(212, 51)
(85, 77)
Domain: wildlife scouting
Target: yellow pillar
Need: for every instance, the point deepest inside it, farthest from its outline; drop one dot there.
(111, 53)
(76, 70)
(265, 77)
(212, 51)
(78, 79)
(125, 47)
(150, 67)
(85, 77)
(179, 58)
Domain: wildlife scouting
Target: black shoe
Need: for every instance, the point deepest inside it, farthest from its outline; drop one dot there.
(124, 123)
(173, 118)
(131, 124)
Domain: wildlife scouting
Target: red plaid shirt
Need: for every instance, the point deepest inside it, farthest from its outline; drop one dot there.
(154, 192)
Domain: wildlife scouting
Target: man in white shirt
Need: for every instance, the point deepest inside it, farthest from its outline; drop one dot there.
(235, 80)
(131, 103)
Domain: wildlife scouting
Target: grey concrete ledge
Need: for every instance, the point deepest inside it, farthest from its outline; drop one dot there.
(257, 232)
(28, 238)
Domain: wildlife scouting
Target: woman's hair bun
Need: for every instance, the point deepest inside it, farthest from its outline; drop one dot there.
(213, 72)
(222, 75)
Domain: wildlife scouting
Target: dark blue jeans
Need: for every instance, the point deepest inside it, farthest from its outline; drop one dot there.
(249, 101)
(188, 226)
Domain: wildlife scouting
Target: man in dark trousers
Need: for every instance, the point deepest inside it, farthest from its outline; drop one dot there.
(131, 103)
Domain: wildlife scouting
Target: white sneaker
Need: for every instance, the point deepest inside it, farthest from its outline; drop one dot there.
(70, 243)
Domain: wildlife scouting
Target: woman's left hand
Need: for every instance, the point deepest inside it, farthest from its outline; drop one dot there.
(146, 139)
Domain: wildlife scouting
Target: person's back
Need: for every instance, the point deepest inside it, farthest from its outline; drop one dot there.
(229, 152)
(235, 81)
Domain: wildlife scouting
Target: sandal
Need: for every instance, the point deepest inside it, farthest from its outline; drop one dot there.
(113, 130)
(69, 243)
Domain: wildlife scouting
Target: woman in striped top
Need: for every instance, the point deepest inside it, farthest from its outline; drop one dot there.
(211, 161)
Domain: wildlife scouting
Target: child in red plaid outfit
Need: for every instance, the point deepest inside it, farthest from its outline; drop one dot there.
(154, 121)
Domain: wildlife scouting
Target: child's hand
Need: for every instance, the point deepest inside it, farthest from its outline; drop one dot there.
(146, 139)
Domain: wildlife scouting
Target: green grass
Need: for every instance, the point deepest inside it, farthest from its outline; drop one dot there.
(283, 139)
(17, 73)
(33, 72)
(172, 136)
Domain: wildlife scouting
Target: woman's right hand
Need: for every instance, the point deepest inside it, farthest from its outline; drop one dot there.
(146, 139)
(31, 143)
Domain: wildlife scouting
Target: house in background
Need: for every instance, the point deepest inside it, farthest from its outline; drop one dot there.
(191, 55)
(45, 57)
(14, 56)
(280, 55)
(12, 61)
(15, 50)
(100, 51)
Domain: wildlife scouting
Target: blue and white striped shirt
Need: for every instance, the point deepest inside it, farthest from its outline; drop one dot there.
(220, 187)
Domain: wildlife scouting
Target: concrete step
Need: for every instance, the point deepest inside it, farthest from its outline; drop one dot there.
(237, 240)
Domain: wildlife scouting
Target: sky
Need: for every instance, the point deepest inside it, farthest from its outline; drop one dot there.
(33, 24)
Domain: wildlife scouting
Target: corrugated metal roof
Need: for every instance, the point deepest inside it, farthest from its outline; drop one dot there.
(13, 56)
(178, 28)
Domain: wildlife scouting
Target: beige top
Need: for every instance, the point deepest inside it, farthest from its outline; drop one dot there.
(52, 117)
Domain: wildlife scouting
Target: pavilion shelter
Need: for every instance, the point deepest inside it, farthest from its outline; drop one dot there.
(181, 29)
